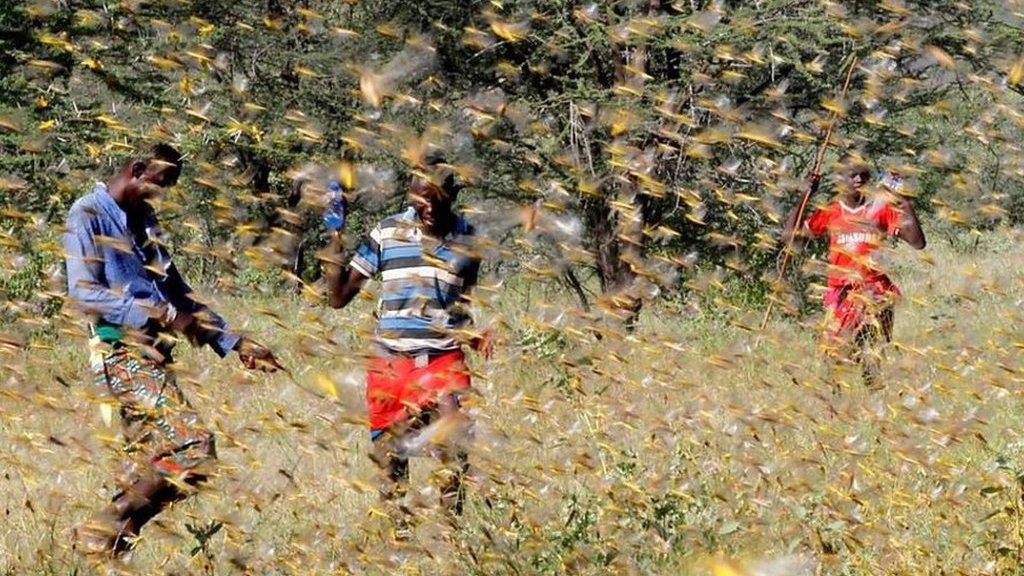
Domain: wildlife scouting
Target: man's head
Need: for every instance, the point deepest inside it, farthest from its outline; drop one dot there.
(433, 193)
(147, 177)
(854, 173)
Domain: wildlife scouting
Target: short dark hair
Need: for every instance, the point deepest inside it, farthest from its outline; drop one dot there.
(853, 164)
(167, 153)
(435, 156)
(450, 183)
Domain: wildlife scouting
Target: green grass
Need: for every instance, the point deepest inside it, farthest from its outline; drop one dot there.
(640, 453)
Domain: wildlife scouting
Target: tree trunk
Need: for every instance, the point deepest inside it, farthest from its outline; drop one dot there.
(577, 287)
(617, 223)
(616, 226)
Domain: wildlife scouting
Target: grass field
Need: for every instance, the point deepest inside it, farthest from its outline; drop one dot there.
(653, 452)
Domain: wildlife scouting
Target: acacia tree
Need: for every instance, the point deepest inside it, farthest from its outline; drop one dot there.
(640, 134)
(672, 127)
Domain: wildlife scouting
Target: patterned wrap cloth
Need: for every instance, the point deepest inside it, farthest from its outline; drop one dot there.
(161, 429)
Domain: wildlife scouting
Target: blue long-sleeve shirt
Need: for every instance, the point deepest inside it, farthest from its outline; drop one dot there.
(117, 272)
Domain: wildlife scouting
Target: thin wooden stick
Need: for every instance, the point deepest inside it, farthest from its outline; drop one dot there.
(818, 160)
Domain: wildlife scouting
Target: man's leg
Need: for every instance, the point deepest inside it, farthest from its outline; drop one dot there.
(871, 342)
(886, 319)
(839, 348)
(866, 355)
(109, 531)
(164, 438)
(149, 497)
(455, 467)
(393, 477)
(458, 431)
(392, 466)
(837, 337)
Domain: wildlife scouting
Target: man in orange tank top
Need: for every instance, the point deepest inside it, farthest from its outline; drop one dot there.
(859, 296)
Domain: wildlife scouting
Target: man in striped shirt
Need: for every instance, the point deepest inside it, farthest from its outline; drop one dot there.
(427, 264)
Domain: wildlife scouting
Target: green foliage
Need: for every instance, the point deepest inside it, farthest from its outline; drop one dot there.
(28, 290)
(267, 281)
(654, 129)
(542, 343)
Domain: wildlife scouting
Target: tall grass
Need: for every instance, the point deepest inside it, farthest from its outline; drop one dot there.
(645, 452)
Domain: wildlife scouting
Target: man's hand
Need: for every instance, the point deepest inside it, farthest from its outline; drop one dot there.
(256, 356)
(898, 195)
(172, 319)
(815, 182)
(910, 227)
(483, 343)
(904, 201)
(182, 324)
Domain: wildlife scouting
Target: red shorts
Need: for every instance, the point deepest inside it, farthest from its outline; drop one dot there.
(397, 387)
(851, 307)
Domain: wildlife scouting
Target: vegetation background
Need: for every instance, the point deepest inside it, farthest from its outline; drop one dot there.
(629, 163)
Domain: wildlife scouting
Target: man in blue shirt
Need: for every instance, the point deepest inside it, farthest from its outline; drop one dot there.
(121, 276)
(428, 261)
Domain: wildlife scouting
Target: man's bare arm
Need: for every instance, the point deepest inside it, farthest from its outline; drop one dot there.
(343, 282)
(910, 228)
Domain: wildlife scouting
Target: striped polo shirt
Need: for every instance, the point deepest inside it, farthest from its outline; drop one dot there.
(423, 283)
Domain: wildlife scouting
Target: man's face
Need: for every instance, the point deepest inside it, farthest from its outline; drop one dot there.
(157, 176)
(853, 181)
(431, 204)
(858, 179)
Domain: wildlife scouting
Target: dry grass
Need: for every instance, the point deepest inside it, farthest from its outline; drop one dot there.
(641, 453)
